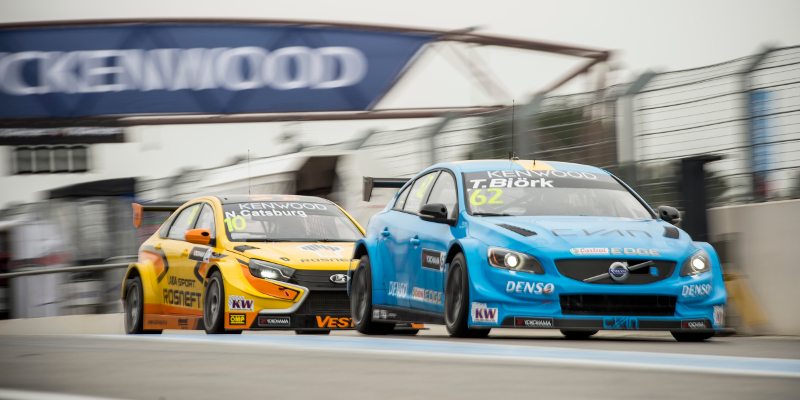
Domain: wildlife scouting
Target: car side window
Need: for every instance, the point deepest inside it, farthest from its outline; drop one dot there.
(444, 192)
(401, 200)
(419, 192)
(206, 220)
(183, 222)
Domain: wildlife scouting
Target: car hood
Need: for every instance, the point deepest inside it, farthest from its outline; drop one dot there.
(300, 255)
(594, 236)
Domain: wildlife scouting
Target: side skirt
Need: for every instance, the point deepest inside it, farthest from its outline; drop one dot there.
(396, 314)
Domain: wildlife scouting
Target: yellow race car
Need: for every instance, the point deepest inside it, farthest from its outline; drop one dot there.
(227, 263)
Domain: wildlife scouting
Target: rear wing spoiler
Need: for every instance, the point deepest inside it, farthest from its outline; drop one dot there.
(371, 183)
(139, 209)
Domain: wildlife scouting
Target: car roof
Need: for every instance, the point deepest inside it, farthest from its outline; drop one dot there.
(251, 198)
(522, 165)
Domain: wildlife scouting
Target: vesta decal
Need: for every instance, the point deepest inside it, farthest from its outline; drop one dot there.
(334, 322)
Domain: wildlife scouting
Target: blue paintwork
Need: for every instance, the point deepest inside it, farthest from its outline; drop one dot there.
(489, 285)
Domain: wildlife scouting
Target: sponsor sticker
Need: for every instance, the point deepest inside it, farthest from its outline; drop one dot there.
(182, 298)
(590, 251)
(237, 319)
(201, 254)
(398, 289)
(432, 259)
(534, 323)
(529, 287)
(426, 295)
(417, 294)
(621, 323)
(239, 303)
(323, 250)
(719, 316)
(334, 322)
(483, 314)
(702, 290)
(698, 324)
(274, 321)
(175, 281)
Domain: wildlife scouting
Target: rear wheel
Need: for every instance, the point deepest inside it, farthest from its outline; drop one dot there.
(361, 302)
(577, 335)
(214, 305)
(692, 336)
(456, 301)
(134, 308)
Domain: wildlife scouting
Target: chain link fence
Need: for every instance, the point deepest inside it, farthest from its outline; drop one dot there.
(746, 110)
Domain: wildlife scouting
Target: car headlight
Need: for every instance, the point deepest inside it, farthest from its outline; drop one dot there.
(514, 261)
(698, 263)
(268, 270)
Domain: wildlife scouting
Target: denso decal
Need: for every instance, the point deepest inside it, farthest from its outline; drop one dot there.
(621, 323)
(529, 287)
(398, 289)
(482, 314)
(334, 322)
(237, 319)
(432, 259)
(323, 250)
(239, 303)
(701, 290)
(182, 298)
(590, 251)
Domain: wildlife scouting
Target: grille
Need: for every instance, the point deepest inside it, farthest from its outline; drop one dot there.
(599, 304)
(580, 269)
(316, 279)
(326, 302)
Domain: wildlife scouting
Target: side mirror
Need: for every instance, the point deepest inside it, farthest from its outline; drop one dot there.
(669, 214)
(435, 212)
(198, 236)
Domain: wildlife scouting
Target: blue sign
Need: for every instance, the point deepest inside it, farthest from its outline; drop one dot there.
(760, 136)
(197, 68)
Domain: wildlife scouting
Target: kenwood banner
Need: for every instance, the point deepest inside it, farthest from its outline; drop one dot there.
(196, 68)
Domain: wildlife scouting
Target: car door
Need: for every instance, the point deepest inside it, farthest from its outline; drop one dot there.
(181, 293)
(427, 263)
(395, 242)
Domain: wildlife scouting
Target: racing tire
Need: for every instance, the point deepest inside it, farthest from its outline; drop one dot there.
(214, 306)
(361, 302)
(134, 308)
(692, 336)
(456, 301)
(577, 335)
(311, 332)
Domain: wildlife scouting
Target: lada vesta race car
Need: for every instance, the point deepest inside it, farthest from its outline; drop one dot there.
(477, 245)
(227, 263)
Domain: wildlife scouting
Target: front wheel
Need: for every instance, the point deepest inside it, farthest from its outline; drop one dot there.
(456, 301)
(692, 336)
(214, 305)
(361, 302)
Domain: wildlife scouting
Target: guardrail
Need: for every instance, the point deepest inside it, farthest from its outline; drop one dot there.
(81, 268)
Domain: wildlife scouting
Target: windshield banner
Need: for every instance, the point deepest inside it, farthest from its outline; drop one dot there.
(197, 68)
(540, 179)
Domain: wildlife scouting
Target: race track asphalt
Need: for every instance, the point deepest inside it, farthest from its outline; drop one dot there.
(346, 365)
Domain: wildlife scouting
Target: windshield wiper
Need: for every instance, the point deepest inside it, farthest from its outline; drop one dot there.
(484, 214)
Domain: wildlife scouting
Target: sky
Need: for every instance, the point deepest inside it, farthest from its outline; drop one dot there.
(644, 35)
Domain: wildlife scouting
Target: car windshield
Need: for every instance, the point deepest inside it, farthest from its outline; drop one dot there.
(291, 221)
(529, 193)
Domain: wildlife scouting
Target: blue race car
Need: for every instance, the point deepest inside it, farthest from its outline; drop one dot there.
(476, 245)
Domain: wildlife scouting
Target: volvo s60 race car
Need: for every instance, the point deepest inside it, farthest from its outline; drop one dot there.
(477, 245)
(228, 263)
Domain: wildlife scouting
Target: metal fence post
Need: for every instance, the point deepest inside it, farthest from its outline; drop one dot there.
(528, 142)
(435, 130)
(626, 130)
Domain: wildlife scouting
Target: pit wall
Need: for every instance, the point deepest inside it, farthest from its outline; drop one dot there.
(758, 245)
